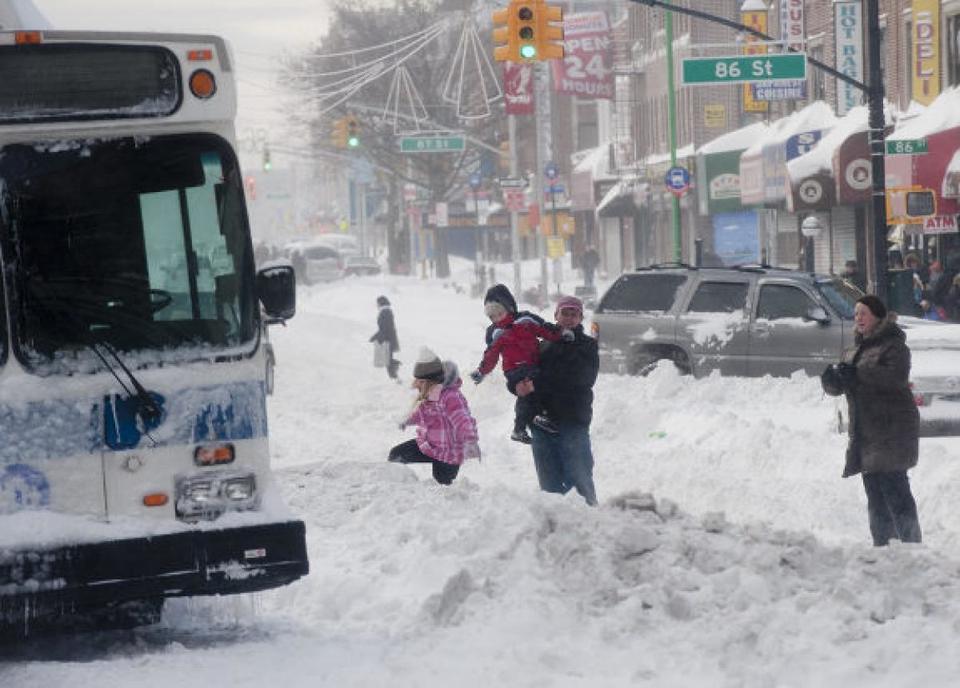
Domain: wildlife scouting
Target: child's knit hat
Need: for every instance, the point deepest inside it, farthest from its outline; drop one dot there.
(499, 293)
(428, 366)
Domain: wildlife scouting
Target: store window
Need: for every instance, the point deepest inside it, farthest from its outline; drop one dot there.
(952, 40)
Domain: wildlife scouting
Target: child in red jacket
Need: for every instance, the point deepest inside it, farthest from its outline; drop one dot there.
(514, 339)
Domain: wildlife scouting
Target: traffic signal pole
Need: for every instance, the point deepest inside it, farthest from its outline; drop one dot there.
(672, 117)
(873, 90)
(541, 105)
(514, 220)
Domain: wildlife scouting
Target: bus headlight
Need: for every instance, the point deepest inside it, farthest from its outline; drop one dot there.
(237, 489)
(207, 496)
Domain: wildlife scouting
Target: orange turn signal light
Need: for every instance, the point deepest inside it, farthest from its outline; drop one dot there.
(202, 84)
(213, 454)
(199, 55)
(155, 499)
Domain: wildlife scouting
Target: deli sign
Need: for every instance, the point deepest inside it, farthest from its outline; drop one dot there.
(586, 71)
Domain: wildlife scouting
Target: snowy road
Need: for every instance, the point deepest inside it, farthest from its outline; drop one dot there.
(490, 582)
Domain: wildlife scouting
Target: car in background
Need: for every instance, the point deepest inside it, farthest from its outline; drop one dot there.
(742, 321)
(315, 262)
(360, 265)
(934, 377)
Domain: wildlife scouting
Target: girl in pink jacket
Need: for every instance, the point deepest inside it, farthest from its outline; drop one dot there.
(446, 432)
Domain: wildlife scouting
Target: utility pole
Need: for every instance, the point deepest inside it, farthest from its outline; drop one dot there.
(877, 166)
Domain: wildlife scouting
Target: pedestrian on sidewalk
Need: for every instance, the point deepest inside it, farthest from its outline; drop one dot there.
(884, 424)
(386, 335)
(513, 339)
(568, 371)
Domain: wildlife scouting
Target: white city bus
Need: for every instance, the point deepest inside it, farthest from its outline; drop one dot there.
(134, 463)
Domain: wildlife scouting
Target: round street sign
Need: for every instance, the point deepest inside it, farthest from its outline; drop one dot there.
(677, 180)
(475, 181)
(551, 171)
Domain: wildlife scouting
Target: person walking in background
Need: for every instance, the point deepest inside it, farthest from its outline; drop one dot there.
(386, 334)
(851, 273)
(568, 371)
(512, 338)
(952, 300)
(589, 262)
(446, 431)
(884, 424)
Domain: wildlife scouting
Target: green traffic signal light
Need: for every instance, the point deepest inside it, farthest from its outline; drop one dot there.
(528, 52)
(353, 142)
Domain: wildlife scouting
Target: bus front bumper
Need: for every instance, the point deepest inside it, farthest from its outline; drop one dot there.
(195, 562)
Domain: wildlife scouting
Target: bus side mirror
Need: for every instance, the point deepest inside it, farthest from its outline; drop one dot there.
(276, 289)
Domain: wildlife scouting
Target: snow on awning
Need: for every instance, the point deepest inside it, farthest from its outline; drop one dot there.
(624, 198)
(738, 140)
(595, 161)
(939, 126)
(589, 166)
(763, 172)
(951, 179)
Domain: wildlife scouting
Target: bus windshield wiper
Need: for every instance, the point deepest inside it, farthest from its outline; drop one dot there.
(148, 410)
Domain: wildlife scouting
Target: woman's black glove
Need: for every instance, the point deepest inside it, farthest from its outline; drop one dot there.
(846, 374)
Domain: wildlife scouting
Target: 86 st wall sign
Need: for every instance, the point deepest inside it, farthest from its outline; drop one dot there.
(586, 69)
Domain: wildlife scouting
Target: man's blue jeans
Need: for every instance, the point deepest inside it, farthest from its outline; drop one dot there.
(564, 460)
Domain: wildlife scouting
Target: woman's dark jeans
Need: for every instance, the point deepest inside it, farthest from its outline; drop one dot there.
(891, 508)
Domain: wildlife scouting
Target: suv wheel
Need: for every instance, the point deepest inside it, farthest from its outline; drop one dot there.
(644, 361)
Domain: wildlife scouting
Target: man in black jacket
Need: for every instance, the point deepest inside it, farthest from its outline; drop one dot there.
(568, 370)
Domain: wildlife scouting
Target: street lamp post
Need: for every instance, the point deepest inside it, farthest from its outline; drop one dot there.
(810, 228)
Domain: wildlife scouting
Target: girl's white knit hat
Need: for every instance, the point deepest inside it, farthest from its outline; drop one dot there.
(428, 365)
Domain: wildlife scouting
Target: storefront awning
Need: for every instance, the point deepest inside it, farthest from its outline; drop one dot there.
(812, 179)
(951, 178)
(589, 167)
(718, 169)
(623, 199)
(763, 166)
(939, 126)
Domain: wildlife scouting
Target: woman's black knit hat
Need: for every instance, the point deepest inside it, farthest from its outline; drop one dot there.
(875, 305)
(383, 301)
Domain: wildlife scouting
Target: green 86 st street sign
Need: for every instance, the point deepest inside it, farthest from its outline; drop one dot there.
(744, 69)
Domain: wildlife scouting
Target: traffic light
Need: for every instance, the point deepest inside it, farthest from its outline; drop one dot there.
(505, 35)
(549, 32)
(353, 132)
(338, 135)
(527, 31)
(267, 165)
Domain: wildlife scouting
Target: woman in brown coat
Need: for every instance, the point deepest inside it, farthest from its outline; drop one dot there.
(884, 422)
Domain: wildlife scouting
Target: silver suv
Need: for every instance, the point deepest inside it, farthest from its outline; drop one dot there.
(748, 321)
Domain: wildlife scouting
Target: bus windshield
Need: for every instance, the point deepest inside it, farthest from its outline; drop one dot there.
(136, 243)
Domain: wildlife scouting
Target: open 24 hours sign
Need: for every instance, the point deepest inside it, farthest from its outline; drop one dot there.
(586, 71)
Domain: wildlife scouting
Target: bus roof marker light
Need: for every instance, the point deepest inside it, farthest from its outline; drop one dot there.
(202, 84)
(204, 55)
(28, 37)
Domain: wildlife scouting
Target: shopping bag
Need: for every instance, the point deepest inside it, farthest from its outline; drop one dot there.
(381, 354)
